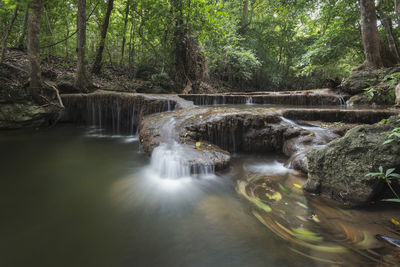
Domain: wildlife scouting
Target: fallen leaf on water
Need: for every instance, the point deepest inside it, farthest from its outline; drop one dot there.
(284, 189)
(297, 185)
(274, 196)
(301, 205)
(315, 218)
(395, 222)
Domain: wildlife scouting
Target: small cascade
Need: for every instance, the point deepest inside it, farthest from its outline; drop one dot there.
(171, 160)
(321, 134)
(342, 101)
(249, 101)
(117, 113)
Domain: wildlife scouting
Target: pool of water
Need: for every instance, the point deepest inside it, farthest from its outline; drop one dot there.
(72, 196)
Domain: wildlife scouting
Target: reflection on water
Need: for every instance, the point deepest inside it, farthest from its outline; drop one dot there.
(73, 198)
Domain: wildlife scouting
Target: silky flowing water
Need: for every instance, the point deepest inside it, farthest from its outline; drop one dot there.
(73, 196)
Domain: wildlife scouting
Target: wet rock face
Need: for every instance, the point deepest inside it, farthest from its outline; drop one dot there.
(230, 129)
(26, 115)
(120, 112)
(338, 170)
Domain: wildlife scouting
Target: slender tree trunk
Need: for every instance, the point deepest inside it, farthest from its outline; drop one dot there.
(370, 36)
(181, 78)
(124, 33)
(82, 82)
(21, 41)
(387, 25)
(397, 6)
(132, 46)
(34, 48)
(5, 37)
(245, 16)
(67, 34)
(98, 61)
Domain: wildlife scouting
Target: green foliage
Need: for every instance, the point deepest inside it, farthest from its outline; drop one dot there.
(284, 45)
(235, 65)
(387, 175)
(392, 79)
(394, 135)
(370, 92)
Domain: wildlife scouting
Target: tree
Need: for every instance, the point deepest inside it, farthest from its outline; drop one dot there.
(98, 61)
(387, 25)
(82, 82)
(35, 8)
(10, 27)
(21, 41)
(370, 36)
(124, 31)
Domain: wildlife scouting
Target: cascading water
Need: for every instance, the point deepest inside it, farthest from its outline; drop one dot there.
(249, 101)
(171, 160)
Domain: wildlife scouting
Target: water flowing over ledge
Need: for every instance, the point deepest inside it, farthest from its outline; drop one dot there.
(309, 97)
(119, 112)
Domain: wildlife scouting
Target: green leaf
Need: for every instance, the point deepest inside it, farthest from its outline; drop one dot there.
(388, 141)
(391, 200)
(389, 171)
(395, 175)
(381, 169)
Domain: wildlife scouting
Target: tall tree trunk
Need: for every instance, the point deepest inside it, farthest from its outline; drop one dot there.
(97, 63)
(124, 33)
(387, 25)
(370, 36)
(132, 46)
(35, 8)
(245, 17)
(5, 37)
(82, 82)
(181, 78)
(21, 41)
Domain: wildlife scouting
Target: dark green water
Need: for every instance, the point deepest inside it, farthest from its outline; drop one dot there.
(71, 198)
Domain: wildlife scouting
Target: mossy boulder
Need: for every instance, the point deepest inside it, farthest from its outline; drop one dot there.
(338, 170)
(360, 80)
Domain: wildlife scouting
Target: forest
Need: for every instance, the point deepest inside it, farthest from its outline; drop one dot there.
(239, 45)
(199, 133)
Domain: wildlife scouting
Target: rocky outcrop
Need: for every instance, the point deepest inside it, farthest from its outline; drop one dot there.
(360, 80)
(309, 97)
(17, 108)
(338, 170)
(120, 112)
(230, 130)
(372, 87)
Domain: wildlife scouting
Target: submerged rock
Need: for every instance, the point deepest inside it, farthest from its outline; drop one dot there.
(338, 170)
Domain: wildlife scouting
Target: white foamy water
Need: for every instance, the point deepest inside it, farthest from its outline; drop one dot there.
(171, 160)
(267, 168)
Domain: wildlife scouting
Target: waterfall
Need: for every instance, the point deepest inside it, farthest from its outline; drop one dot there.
(249, 101)
(171, 160)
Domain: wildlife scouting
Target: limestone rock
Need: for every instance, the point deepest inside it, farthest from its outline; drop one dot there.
(360, 80)
(338, 170)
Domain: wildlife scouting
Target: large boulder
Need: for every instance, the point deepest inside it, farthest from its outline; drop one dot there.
(360, 80)
(338, 170)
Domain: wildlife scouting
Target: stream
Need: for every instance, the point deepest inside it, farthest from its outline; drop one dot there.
(76, 196)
